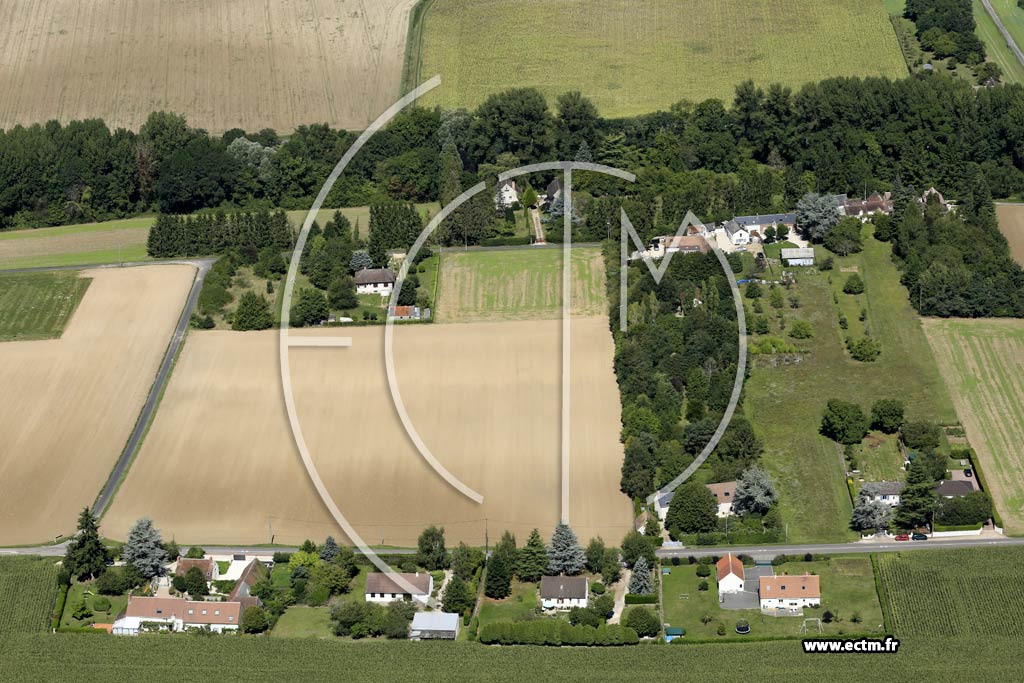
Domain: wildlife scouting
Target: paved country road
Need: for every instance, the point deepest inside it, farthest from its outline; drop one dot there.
(60, 549)
(887, 546)
(107, 492)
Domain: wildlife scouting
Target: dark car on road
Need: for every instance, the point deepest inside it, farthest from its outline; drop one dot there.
(918, 537)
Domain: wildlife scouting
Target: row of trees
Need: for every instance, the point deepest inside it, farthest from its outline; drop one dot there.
(216, 233)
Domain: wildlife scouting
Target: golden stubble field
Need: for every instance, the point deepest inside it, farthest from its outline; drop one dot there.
(982, 362)
(1011, 224)
(219, 464)
(222, 63)
(70, 403)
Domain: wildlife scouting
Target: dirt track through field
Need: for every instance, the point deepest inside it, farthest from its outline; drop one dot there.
(70, 403)
(219, 464)
(983, 364)
(1011, 224)
(223, 63)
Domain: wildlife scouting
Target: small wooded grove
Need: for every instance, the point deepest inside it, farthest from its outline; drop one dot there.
(215, 233)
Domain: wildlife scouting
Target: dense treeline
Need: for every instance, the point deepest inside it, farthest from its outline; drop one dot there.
(946, 27)
(205, 234)
(761, 154)
(664, 358)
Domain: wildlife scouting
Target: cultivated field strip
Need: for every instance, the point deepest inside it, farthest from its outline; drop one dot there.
(1011, 224)
(632, 58)
(223, 63)
(28, 588)
(983, 364)
(965, 592)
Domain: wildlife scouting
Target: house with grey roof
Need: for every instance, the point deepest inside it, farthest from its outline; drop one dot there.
(375, 281)
(434, 626)
(887, 492)
(564, 592)
(800, 256)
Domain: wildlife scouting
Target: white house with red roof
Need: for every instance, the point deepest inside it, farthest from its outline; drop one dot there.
(790, 592)
(730, 574)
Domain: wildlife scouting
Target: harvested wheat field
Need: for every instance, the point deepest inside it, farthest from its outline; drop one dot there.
(1011, 224)
(70, 403)
(223, 63)
(982, 362)
(219, 464)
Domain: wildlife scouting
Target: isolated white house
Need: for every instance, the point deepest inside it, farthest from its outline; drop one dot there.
(384, 588)
(798, 257)
(887, 492)
(725, 493)
(789, 592)
(506, 194)
(375, 281)
(730, 575)
(564, 592)
(177, 614)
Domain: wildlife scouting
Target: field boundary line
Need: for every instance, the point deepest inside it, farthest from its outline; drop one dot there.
(412, 62)
(1010, 42)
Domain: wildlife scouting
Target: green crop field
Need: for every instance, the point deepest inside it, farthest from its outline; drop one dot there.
(982, 362)
(995, 44)
(517, 284)
(38, 305)
(28, 590)
(632, 58)
(785, 401)
(251, 659)
(959, 593)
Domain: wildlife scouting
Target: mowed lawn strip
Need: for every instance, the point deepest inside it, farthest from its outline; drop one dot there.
(300, 621)
(518, 284)
(785, 403)
(633, 58)
(38, 305)
(983, 364)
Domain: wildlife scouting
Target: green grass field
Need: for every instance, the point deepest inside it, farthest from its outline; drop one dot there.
(521, 604)
(517, 284)
(632, 58)
(304, 622)
(38, 305)
(995, 44)
(785, 402)
(847, 586)
(983, 365)
(28, 590)
(958, 593)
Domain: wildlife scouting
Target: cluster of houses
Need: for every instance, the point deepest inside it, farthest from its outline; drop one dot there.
(170, 613)
(740, 232)
(786, 594)
(507, 194)
(889, 492)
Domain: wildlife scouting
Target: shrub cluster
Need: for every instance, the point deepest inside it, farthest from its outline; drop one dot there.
(554, 632)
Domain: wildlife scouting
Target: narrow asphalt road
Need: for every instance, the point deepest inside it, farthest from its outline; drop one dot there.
(60, 549)
(769, 551)
(1002, 29)
(106, 493)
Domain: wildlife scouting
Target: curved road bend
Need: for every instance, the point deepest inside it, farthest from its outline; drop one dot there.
(202, 267)
(1002, 29)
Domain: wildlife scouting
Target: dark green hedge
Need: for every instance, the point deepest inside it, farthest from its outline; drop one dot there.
(554, 632)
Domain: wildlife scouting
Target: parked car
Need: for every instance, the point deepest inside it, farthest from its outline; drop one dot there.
(902, 537)
(968, 472)
(918, 537)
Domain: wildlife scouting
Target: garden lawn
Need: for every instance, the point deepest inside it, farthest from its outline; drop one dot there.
(847, 587)
(522, 603)
(785, 401)
(118, 604)
(300, 621)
